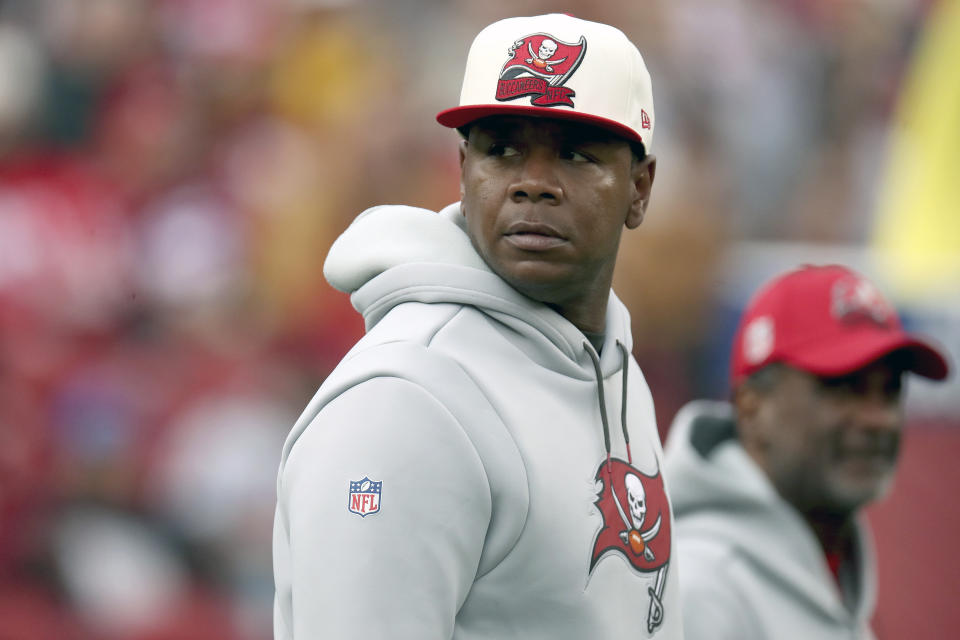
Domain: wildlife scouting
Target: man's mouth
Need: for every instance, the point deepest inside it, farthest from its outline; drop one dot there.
(534, 236)
(870, 458)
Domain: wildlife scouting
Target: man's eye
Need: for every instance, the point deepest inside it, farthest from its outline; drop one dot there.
(503, 150)
(837, 386)
(574, 156)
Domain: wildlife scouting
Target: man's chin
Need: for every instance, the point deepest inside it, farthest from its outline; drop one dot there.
(858, 487)
(539, 279)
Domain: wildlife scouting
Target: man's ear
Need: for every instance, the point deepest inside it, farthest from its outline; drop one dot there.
(748, 402)
(462, 152)
(642, 173)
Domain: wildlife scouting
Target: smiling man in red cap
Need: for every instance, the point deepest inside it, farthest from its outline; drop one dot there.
(767, 492)
(485, 463)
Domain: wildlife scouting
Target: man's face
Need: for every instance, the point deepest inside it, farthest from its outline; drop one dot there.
(546, 202)
(831, 445)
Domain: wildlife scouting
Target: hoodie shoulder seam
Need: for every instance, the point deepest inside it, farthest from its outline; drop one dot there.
(441, 325)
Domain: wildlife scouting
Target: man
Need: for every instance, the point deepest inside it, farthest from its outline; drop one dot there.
(458, 475)
(768, 492)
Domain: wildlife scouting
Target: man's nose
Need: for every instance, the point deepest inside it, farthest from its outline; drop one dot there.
(878, 411)
(537, 178)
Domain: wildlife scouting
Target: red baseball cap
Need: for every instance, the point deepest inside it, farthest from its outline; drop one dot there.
(825, 320)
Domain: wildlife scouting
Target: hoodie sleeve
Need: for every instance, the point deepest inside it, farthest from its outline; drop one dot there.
(403, 571)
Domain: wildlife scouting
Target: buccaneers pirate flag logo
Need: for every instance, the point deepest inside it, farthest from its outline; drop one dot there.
(539, 65)
(636, 526)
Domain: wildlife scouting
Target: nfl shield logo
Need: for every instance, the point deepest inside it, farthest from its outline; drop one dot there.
(364, 497)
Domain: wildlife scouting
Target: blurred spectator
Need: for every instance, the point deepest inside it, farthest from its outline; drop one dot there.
(768, 490)
(23, 68)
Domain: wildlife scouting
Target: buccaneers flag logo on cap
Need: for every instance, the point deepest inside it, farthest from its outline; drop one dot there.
(636, 525)
(854, 300)
(539, 65)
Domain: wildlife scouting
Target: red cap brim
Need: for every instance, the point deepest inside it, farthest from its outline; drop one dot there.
(856, 352)
(460, 116)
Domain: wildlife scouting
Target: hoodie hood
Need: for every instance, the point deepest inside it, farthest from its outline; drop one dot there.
(391, 235)
(720, 493)
(393, 254)
(710, 469)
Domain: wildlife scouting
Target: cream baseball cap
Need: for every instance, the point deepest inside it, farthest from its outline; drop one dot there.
(557, 66)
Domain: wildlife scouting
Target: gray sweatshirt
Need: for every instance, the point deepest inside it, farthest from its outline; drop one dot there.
(464, 473)
(750, 566)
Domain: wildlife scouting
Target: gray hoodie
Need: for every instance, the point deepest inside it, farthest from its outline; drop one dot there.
(463, 473)
(750, 566)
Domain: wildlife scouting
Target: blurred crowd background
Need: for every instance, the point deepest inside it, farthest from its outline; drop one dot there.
(172, 173)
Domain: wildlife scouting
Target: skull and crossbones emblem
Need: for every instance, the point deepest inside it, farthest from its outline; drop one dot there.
(632, 536)
(542, 58)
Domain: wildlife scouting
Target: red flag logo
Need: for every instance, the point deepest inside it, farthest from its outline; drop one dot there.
(636, 525)
(636, 517)
(854, 300)
(539, 66)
